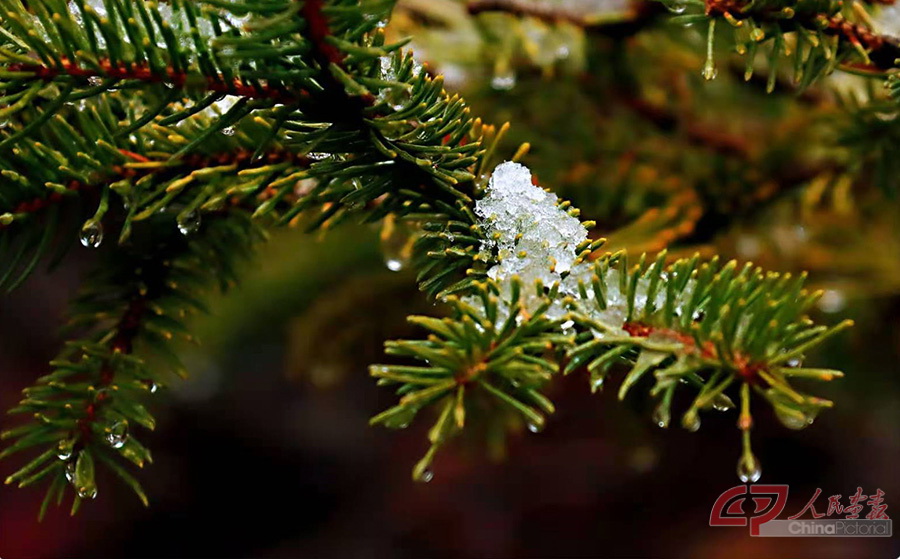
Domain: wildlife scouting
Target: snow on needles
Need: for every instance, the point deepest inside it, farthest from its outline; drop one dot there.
(530, 235)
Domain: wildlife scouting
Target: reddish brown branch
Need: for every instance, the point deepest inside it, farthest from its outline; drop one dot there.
(122, 342)
(325, 54)
(639, 14)
(180, 79)
(883, 51)
(745, 369)
(545, 12)
(697, 134)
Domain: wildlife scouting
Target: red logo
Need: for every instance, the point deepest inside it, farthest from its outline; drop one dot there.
(768, 501)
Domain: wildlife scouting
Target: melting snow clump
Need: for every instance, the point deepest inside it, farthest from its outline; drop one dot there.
(528, 235)
(531, 236)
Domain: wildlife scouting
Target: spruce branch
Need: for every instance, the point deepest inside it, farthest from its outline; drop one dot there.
(488, 355)
(701, 324)
(823, 36)
(85, 410)
(324, 121)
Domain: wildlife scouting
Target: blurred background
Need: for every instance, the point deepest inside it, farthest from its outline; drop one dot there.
(266, 450)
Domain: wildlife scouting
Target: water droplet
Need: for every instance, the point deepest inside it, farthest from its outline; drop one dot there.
(749, 469)
(70, 472)
(229, 131)
(504, 80)
(117, 434)
(95, 80)
(381, 24)
(722, 403)
(401, 420)
(318, 155)
(397, 238)
(792, 418)
(188, 223)
(66, 449)
(677, 7)
(426, 475)
(535, 427)
(151, 386)
(794, 363)
(691, 421)
(887, 116)
(86, 492)
(661, 416)
(92, 234)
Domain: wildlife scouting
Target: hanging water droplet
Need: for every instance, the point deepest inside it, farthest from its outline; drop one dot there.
(426, 475)
(381, 24)
(151, 386)
(791, 418)
(504, 80)
(66, 449)
(661, 415)
(397, 238)
(722, 403)
(86, 492)
(535, 427)
(95, 80)
(70, 472)
(92, 234)
(228, 131)
(749, 469)
(117, 434)
(188, 223)
(691, 420)
(401, 420)
(677, 7)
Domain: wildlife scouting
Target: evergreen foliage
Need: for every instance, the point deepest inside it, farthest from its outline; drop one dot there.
(180, 130)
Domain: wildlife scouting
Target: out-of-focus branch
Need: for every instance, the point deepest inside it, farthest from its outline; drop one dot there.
(636, 16)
